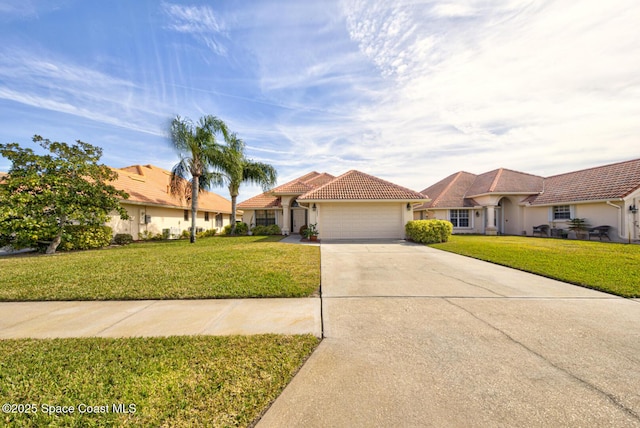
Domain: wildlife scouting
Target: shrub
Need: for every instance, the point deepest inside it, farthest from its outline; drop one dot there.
(241, 229)
(206, 234)
(122, 239)
(273, 229)
(186, 234)
(429, 231)
(76, 237)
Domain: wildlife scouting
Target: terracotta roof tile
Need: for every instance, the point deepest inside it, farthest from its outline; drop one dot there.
(296, 186)
(148, 184)
(505, 181)
(612, 181)
(356, 185)
(320, 180)
(261, 201)
(450, 192)
(293, 187)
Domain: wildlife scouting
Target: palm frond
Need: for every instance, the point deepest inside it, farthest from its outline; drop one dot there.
(259, 173)
(180, 176)
(211, 179)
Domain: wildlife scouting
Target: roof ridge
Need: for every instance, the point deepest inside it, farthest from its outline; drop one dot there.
(447, 187)
(369, 177)
(594, 167)
(494, 183)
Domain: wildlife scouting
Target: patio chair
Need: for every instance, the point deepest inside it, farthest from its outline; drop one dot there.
(542, 230)
(600, 232)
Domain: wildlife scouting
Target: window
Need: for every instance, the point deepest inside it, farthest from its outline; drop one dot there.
(218, 220)
(186, 215)
(562, 212)
(206, 216)
(265, 217)
(459, 218)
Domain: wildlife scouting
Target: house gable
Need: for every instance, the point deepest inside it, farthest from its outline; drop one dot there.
(355, 185)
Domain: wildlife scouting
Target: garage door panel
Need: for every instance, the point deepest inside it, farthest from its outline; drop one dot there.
(361, 221)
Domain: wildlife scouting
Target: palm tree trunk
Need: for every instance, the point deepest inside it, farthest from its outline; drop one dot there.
(233, 214)
(195, 187)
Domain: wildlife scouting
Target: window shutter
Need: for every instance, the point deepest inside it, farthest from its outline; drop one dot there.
(572, 211)
(550, 213)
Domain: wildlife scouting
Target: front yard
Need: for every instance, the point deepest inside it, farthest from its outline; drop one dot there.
(175, 381)
(613, 268)
(219, 267)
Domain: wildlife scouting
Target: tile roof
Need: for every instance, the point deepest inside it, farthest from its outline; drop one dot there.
(505, 181)
(356, 185)
(296, 186)
(148, 184)
(612, 181)
(450, 192)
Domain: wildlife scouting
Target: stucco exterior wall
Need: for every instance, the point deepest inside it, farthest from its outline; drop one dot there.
(249, 217)
(596, 214)
(160, 218)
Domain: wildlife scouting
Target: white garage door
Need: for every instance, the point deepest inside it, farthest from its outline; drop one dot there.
(361, 221)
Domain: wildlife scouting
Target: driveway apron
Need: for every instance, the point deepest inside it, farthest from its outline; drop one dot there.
(419, 337)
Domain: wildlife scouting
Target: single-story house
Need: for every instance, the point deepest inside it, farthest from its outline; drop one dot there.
(153, 209)
(509, 202)
(354, 205)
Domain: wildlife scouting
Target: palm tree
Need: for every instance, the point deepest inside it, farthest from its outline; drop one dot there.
(196, 145)
(232, 168)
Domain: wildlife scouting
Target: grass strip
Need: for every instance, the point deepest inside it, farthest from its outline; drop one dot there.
(610, 267)
(219, 267)
(175, 381)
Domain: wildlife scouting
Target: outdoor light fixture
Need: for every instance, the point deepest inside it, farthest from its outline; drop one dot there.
(633, 209)
(477, 213)
(314, 207)
(408, 206)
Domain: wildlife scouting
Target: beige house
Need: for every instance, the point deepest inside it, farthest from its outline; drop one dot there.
(354, 205)
(153, 209)
(513, 203)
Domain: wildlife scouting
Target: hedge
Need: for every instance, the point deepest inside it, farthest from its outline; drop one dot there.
(77, 237)
(273, 229)
(241, 229)
(429, 231)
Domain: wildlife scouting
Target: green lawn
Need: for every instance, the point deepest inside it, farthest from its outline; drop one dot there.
(219, 267)
(610, 267)
(175, 381)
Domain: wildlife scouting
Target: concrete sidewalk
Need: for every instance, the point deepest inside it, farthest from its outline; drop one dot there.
(419, 337)
(159, 318)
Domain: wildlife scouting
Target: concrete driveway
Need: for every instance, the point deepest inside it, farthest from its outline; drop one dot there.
(420, 337)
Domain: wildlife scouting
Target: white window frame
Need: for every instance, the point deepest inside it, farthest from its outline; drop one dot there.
(456, 221)
(553, 212)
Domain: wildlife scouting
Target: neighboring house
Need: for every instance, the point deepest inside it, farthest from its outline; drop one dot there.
(152, 208)
(354, 205)
(512, 203)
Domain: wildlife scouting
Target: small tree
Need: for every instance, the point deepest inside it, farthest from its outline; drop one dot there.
(195, 144)
(44, 193)
(232, 168)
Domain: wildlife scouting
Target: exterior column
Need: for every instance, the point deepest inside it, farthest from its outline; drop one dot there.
(286, 218)
(491, 220)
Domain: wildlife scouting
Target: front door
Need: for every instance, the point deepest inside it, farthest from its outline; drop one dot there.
(298, 219)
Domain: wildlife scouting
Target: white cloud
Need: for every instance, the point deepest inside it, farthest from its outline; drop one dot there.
(537, 87)
(41, 81)
(198, 21)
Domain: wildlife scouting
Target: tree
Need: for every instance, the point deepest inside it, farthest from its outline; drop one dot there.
(196, 146)
(232, 168)
(44, 193)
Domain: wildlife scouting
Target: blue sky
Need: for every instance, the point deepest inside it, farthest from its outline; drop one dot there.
(408, 91)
